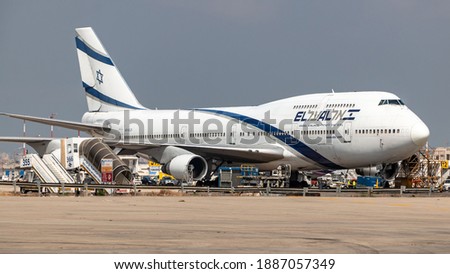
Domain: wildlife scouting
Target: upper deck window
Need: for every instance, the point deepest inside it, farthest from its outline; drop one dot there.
(391, 102)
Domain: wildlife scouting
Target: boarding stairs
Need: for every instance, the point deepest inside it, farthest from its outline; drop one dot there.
(90, 169)
(94, 150)
(93, 172)
(57, 169)
(43, 171)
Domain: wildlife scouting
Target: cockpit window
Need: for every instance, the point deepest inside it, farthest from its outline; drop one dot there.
(391, 102)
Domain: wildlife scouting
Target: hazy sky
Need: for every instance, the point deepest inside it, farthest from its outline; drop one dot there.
(184, 54)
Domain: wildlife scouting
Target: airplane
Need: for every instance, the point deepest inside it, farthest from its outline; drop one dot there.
(332, 130)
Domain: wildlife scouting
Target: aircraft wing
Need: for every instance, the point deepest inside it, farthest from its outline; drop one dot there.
(236, 153)
(28, 140)
(39, 144)
(247, 154)
(61, 123)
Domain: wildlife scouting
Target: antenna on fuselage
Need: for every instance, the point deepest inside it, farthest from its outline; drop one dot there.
(332, 90)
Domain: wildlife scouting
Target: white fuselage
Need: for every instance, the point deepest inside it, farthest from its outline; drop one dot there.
(332, 130)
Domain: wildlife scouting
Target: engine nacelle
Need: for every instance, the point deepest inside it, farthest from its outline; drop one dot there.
(385, 171)
(180, 165)
(389, 171)
(368, 171)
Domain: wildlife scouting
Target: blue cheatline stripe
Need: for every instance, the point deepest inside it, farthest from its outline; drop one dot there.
(285, 138)
(97, 56)
(102, 97)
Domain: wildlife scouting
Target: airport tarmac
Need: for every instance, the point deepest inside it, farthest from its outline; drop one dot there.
(224, 224)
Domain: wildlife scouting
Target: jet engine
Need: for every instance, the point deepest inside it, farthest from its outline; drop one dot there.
(180, 166)
(386, 171)
(389, 171)
(368, 171)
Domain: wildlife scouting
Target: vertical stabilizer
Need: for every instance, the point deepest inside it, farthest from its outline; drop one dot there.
(105, 88)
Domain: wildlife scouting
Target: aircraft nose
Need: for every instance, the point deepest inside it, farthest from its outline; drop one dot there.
(420, 133)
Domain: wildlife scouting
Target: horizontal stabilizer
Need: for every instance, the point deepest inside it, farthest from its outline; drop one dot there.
(39, 144)
(90, 128)
(28, 140)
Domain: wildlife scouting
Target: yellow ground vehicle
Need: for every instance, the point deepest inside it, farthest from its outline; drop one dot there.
(156, 167)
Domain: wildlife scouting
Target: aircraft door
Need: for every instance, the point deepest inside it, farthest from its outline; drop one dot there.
(290, 135)
(232, 139)
(347, 134)
(184, 133)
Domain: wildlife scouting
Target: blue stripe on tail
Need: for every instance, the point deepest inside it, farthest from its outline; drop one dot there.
(97, 56)
(104, 98)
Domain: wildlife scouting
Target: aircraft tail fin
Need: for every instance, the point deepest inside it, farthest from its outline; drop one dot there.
(105, 88)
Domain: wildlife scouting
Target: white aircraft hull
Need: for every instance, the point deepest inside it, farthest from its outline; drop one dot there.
(316, 131)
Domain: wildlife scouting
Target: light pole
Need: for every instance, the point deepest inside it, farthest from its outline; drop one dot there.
(24, 135)
(52, 116)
